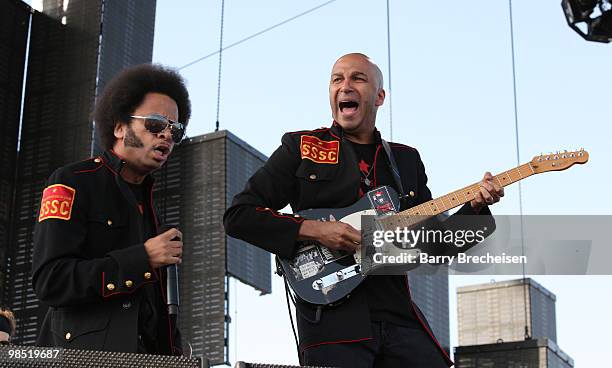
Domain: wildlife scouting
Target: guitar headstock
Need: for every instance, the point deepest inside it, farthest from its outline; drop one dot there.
(558, 161)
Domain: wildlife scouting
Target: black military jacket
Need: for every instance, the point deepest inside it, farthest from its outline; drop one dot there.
(304, 179)
(90, 264)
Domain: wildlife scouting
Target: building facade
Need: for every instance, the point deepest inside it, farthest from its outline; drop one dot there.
(508, 324)
(500, 311)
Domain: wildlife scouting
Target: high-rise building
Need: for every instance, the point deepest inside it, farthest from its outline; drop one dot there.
(429, 291)
(74, 48)
(508, 324)
(14, 25)
(500, 311)
(192, 192)
(537, 353)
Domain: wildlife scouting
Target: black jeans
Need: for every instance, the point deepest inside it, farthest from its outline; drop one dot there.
(392, 346)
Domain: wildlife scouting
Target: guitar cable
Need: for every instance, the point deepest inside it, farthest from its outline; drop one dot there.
(287, 296)
(290, 296)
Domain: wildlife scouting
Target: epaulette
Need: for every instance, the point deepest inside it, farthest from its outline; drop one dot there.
(89, 165)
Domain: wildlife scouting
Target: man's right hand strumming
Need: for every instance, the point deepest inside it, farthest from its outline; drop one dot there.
(163, 251)
(332, 234)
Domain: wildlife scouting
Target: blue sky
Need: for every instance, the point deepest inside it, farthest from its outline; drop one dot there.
(452, 99)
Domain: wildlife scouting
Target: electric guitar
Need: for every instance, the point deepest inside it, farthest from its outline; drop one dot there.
(322, 276)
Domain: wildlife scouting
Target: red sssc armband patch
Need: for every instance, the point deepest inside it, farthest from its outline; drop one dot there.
(57, 200)
(322, 152)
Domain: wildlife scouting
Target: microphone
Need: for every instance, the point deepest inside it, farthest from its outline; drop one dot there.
(172, 281)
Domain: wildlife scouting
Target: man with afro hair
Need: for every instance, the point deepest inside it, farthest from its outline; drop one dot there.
(99, 254)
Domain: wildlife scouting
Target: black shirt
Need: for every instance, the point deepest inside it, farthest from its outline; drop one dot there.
(387, 296)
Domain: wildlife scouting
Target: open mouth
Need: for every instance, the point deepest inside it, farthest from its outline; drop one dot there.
(163, 150)
(348, 107)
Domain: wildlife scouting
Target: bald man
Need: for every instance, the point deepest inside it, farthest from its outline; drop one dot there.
(379, 325)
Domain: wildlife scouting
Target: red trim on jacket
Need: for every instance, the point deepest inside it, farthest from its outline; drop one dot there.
(429, 332)
(298, 220)
(318, 130)
(116, 154)
(86, 171)
(107, 166)
(335, 342)
(308, 131)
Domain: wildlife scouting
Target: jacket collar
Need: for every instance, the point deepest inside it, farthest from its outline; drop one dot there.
(116, 163)
(336, 129)
(113, 161)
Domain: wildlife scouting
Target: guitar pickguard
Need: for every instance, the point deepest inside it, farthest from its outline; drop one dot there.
(311, 259)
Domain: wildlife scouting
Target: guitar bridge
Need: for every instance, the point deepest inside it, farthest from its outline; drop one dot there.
(336, 277)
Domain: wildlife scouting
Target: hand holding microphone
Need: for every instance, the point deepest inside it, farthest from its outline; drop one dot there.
(166, 248)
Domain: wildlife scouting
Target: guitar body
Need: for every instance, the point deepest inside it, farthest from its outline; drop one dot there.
(321, 276)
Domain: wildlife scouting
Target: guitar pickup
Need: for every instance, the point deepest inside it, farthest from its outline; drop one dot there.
(336, 277)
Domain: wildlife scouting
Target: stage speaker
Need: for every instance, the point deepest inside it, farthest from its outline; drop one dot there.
(261, 365)
(13, 356)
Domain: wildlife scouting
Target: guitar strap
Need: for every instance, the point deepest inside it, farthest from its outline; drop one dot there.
(395, 172)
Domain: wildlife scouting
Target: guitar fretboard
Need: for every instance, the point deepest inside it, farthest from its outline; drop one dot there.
(453, 199)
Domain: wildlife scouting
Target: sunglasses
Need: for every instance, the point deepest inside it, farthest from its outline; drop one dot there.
(156, 123)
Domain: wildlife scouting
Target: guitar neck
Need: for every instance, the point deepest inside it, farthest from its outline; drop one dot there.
(454, 199)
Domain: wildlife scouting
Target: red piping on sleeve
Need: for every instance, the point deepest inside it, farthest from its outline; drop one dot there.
(335, 342)
(298, 220)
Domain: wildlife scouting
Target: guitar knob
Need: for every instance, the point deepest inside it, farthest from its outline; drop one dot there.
(317, 285)
(340, 275)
